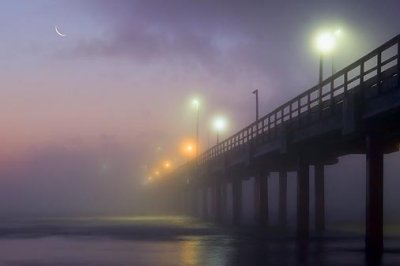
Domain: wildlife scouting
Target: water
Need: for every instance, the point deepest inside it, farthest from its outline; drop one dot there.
(120, 241)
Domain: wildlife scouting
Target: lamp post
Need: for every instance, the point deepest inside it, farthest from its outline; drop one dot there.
(196, 105)
(321, 68)
(325, 44)
(256, 93)
(219, 125)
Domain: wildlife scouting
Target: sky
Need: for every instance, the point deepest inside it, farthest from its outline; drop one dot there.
(88, 113)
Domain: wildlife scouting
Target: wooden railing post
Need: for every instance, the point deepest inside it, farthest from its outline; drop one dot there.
(331, 102)
(362, 79)
(298, 112)
(398, 62)
(378, 72)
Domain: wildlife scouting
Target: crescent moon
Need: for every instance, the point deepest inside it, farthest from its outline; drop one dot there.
(58, 32)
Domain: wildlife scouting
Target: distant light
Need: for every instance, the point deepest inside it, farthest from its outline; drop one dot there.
(219, 123)
(188, 148)
(196, 103)
(326, 42)
(150, 178)
(157, 173)
(167, 164)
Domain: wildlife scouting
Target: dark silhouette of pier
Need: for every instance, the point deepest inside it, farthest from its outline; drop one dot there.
(355, 111)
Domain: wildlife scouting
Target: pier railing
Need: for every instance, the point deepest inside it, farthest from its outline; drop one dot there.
(368, 72)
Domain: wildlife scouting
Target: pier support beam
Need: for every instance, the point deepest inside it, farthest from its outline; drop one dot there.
(319, 197)
(374, 200)
(191, 198)
(282, 217)
(205, 203)
(303, 199)
(261, 199)
(224, 204)
(217, 202)
(183, 206)
(197, 203)
(236, 201)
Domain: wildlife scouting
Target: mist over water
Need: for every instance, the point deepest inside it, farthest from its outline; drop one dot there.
(173, 240)
(88, 120)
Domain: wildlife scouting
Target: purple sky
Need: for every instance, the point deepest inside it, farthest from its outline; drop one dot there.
(118, 85)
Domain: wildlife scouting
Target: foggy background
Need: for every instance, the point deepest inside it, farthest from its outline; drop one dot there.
(84, 117)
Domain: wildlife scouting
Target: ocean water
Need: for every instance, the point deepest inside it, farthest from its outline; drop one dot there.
(173, 240)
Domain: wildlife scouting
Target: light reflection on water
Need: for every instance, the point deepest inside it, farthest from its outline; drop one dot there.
(171, 241)
(190, 250)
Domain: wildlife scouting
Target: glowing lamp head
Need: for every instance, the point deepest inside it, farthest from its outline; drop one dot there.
(167, 165)
(188, 148)
(325, 42)
(196, 103)
(219, 124)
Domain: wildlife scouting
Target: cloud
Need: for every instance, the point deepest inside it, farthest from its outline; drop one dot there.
(178, 33)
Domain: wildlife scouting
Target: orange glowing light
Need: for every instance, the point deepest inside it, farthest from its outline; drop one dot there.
(167, 165)
(188, 148)
(157, 173)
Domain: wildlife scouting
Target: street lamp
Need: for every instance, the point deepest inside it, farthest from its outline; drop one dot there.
(325, 44)
(219, 125)
(196, 105)
(188, 148)
(167, 165)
